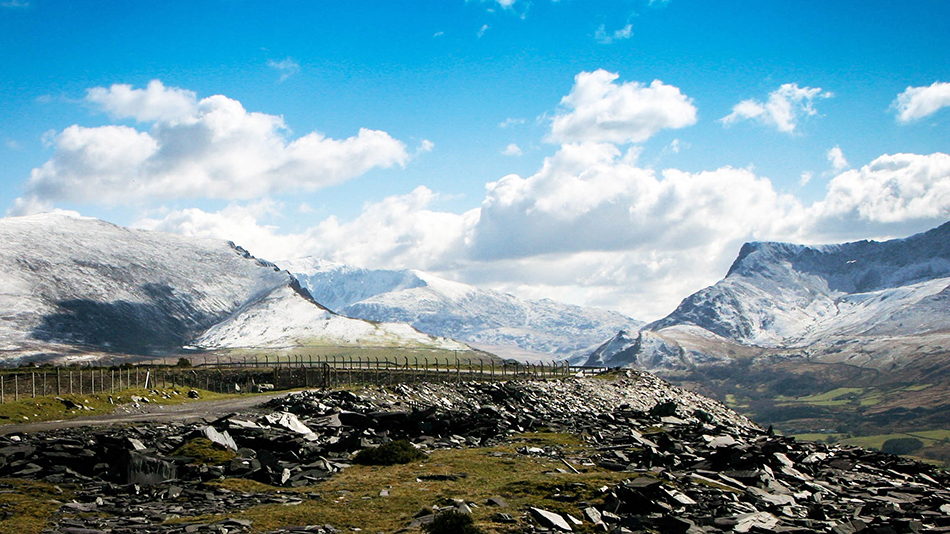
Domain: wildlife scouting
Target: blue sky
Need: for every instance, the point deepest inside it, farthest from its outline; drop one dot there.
(611, 153)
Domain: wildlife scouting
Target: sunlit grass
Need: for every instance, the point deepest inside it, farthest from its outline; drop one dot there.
(351, 499)
(27, 506)
(50, 408)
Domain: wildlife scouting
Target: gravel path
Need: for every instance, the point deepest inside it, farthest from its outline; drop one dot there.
(152, 413)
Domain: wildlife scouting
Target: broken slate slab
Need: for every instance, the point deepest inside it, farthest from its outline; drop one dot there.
(221, 438)
(550, 519)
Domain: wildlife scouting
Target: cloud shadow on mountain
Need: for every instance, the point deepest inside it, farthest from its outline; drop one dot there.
(120, 326)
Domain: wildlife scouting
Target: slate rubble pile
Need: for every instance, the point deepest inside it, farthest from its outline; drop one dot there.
(694, 465)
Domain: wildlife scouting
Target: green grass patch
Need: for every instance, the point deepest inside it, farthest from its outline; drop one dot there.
(205, 452)
(27, 506)
(452, 522)
(918, 387)
(816, 437)
(928, 437)
(351, 499)
(50, 408)
(566, 442)
(392, 453)
(831, 396)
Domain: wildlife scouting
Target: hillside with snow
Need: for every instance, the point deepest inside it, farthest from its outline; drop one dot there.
(70, 284)
(491, 320)
(835, 302)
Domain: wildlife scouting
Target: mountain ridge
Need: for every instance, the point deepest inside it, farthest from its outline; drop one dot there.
(71, 284)
(775, 292)
(484, 318)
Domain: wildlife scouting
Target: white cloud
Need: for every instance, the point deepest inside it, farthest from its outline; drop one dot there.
(598, 110)
(916, 103)
(212, 148)
(837, 160)
(397, 232)
(287, 67)
(425, 146)
(512, 150)
(154, 103)
(588, 198)
(591, 227)
(238, 223)
(603, 37)
(481, 31)
(509, 122)
(806, 177)
(28, 206)
(892, 195)
(783, 110)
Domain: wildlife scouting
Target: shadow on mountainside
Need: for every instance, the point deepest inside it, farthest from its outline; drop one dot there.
(120, 326)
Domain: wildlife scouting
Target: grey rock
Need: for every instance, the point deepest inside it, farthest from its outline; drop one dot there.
(550, 519)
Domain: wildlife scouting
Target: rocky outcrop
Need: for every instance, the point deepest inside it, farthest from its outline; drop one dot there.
(693, 465)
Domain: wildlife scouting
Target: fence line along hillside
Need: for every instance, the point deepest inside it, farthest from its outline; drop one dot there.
(225, 374)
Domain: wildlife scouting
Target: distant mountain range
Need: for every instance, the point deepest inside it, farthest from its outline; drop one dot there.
(490, 320)
(72, 285)
(871, 304)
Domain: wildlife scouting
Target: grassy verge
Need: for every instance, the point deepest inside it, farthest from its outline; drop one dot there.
(50, 408)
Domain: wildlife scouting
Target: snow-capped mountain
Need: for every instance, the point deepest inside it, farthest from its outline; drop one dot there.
(491, 320)
(74, 284)
(781, 296)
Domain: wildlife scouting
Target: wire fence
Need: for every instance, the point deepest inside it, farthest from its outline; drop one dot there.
(226, 374)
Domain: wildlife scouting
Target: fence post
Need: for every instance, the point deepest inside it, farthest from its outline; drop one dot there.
(16, 388)
(33, 380)
(1, 390)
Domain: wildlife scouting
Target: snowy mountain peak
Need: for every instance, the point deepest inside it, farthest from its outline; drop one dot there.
(488, 319)
(864, 294)
(783, 294)
(70, 283)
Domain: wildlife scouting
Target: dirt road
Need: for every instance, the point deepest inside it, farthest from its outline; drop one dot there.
(153, 413)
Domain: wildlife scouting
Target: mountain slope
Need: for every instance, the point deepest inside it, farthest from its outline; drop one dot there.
(73, 284)
(835, 303)
(286, 317)
(492, 320)
(853, 337)
(778, 294)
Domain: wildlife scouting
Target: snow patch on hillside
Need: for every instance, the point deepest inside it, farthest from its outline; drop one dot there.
(70, 282)
(284, 318)
(484, 318)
